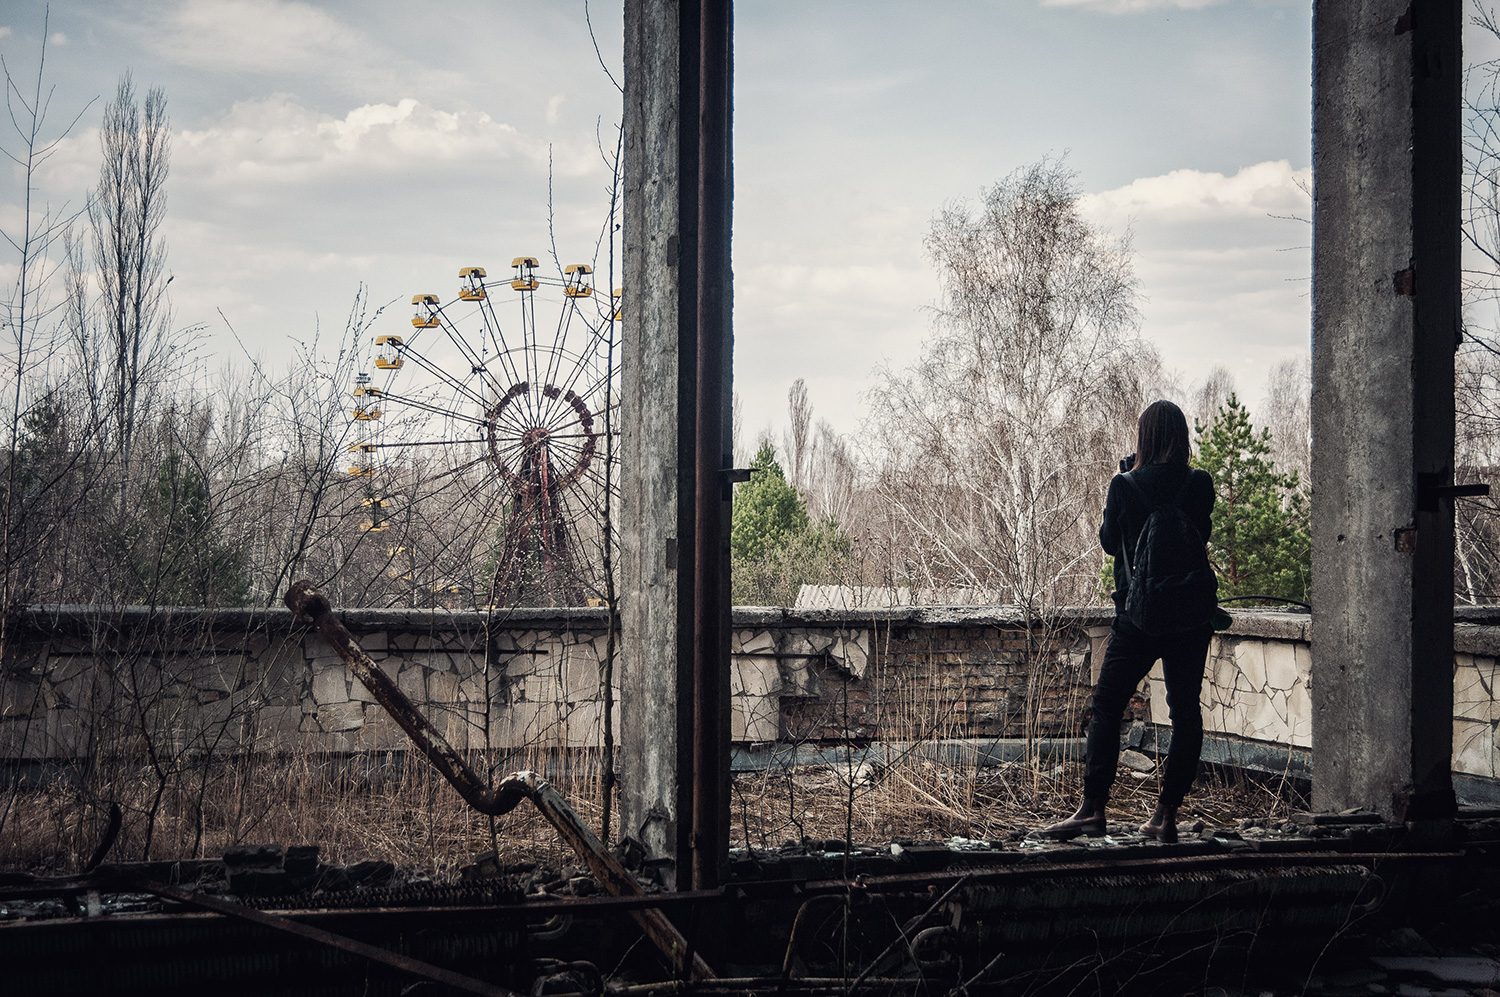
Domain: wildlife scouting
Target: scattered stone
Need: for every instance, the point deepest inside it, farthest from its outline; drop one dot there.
(1355, 976)
(1401, 942)
(1136, 761)
(630, 852)
(253, 857)
(1473, 970)
(486, 865)
(1354, 816)
(959, 843)
(371, 873)
(301, 860)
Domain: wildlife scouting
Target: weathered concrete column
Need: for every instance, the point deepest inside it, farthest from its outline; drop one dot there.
(1387, 164)
(656, 522)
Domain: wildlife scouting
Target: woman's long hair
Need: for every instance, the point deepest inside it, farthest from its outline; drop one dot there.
(1162, 436)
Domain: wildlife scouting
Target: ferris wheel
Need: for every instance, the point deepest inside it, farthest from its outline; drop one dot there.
(506, 397)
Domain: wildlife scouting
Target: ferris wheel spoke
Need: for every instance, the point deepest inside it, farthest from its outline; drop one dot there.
(571, 384)
(427, 443)
(417, 403)
(518, 373)
(437, 371)
(562, 403)
(528, 336)
(497, 338)
(457, 340)
(577, 420)
(600, 383)
(513, 423)
(459, 469)
(598, 478)
(510, 449)
(559, 333)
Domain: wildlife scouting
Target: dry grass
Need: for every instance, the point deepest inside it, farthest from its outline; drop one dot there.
(406, 814)
(400, 811)
(927, 801)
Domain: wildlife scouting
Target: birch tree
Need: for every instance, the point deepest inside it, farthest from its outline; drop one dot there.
(995, 448)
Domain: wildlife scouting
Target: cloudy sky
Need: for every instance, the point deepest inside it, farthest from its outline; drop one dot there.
(318, 146)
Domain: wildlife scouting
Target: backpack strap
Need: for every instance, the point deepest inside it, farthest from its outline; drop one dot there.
(1135, 486)
(1140, 492)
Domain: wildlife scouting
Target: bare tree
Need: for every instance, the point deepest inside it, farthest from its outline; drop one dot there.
(41, 478)
(1288, 415)
(1207, 396)
(125, 217)
(798, 435)
(833, 477)
(995, 447)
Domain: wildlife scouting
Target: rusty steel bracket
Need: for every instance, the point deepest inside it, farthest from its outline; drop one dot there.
(308, 604)
(374, 953)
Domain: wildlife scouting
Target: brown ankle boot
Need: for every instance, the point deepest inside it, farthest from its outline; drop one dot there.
(1088, 820)
(1163, 824)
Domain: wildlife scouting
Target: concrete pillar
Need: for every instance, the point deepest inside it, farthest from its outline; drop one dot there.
(657, 380)
(1387, 164)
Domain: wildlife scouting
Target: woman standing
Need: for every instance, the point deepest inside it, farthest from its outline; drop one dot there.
(1159, 476)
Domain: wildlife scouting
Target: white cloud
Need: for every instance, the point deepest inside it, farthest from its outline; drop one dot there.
(1131, 6)
(279, 39)
(58, 38)
(1194, 196)
(1223, 272)
(5, 32)
(277, 139)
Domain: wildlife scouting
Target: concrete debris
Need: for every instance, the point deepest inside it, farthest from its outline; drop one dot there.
(1472, 970)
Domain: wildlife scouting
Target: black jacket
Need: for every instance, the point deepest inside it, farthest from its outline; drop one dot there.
(1125, 513)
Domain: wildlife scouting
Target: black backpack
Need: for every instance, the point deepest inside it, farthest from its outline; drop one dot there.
(1172, 588)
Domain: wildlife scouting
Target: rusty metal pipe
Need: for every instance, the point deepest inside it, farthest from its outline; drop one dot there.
(711, 485)
(308, 604)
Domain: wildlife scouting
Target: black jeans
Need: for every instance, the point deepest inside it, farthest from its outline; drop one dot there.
(1129, 657)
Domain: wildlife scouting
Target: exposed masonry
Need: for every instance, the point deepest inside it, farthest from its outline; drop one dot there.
(240, 680)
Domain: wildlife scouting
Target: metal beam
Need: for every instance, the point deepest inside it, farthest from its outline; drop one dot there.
(713, 454)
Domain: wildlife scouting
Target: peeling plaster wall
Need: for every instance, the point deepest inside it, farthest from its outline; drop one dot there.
(78, 680)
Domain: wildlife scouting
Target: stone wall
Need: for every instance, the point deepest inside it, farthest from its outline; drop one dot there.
(1259, 678)
(909, 674)
(79, 680)
(1257, 681)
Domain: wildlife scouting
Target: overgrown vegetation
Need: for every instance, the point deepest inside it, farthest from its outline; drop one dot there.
(1261, 542)
(775, 547)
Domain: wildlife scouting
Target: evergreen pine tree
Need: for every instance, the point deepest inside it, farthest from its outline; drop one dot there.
(768, 512)
(775, 548)
(176, 552)
(1261, 542)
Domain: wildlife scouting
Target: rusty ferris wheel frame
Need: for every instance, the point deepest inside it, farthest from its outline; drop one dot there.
(535, 402)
